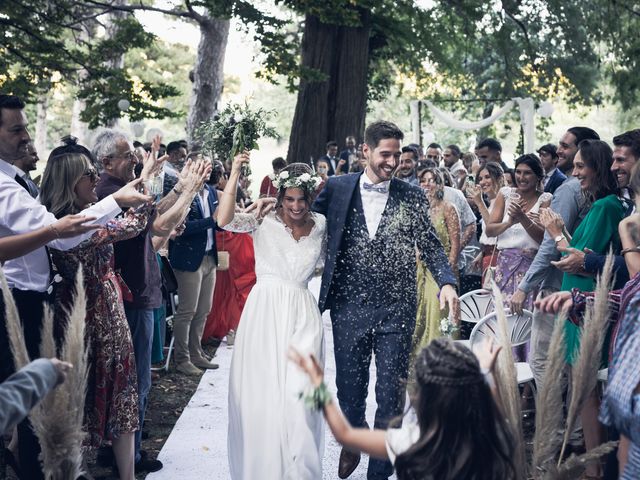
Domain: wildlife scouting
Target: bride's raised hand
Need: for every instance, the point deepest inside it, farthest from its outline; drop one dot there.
(309, 364)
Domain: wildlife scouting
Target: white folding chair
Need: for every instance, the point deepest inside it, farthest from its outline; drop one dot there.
(518, 331)
(476, 305)
(168, 350)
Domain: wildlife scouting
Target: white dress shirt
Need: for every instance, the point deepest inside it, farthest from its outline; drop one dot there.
(548, 176)
(373, 203)
(206, 212)
(20, 213)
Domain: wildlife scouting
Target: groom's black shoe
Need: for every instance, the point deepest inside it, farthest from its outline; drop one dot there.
(348, 463)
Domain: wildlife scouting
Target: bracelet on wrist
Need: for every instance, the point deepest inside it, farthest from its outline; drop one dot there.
(316, 398)
(54, 230)
(177, 191)
(635, 249)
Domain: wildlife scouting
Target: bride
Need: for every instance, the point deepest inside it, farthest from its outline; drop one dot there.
(271, 433)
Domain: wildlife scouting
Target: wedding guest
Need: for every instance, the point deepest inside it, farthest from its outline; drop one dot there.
(135, 256)
(453, 161)
(490, 150)
(331, 157)
(489, 181)
(407, 168)
(26, 164)
(597, 232)
(349, 153)
(553, 177)
(194, 258)
(29, 275)
(266, 187)
(434, 153)
(111, 406)
(177, 152)
(322, 169)
(447, 376)
(510, 178)
(569, 202)
(444, 219)
(513, 222)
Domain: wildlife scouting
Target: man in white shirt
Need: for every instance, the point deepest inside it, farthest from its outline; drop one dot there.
(29, 276)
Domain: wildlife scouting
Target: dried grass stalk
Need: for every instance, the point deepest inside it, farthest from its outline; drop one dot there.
(13, 322)
(584, 371)
(549, 404)
(506, 378)
(58, 419)
(573, 466)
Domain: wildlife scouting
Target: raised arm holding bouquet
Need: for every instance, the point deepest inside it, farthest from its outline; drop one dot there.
(236, 129)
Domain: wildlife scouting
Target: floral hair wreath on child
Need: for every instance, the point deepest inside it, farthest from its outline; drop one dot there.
(306, 181)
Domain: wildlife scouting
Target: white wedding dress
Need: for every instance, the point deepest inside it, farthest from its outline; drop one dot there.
(272, 435)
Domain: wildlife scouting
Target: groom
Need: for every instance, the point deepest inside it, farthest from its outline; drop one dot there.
(374, 224)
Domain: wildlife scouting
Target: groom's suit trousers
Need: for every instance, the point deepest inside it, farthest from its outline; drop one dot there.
(358, 331)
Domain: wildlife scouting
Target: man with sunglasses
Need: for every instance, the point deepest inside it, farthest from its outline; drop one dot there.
(29, 276)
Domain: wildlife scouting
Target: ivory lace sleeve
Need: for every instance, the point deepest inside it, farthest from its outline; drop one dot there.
(242, 223)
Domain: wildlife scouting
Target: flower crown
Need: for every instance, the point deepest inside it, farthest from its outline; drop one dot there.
(306, 181)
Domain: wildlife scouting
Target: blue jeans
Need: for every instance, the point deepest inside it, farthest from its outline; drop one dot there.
(141, 326)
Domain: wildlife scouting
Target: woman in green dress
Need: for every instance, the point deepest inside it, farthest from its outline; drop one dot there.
(597, 232)
(445, 220)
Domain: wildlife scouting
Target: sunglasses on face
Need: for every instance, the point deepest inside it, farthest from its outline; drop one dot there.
(91, 174)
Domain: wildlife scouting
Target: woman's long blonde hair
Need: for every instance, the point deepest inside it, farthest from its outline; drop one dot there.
(57, 190)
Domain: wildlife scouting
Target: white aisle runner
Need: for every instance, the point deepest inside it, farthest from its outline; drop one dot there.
(197, 445)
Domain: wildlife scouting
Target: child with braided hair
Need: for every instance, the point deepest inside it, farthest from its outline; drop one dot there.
(460, 432)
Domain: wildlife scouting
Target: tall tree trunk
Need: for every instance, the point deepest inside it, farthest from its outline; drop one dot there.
(208, 79)
(79, 129)
(40, 140)
(336, 107)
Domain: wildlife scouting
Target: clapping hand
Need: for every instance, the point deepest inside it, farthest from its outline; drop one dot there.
(129, 196)
(516, 211)
(474, 193)
(551, 221)
(309, 364)
(152, 165)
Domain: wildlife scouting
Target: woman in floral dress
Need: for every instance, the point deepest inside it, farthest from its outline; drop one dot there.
(111, 406)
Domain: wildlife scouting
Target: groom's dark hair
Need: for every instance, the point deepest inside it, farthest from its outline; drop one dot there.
(381, 130)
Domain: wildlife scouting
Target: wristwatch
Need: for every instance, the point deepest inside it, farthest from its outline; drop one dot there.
(559, 238)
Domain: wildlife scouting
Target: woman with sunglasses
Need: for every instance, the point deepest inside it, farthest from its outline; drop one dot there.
(111, 406)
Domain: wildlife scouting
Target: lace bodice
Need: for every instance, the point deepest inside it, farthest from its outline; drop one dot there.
(516, 236)
(277, 253)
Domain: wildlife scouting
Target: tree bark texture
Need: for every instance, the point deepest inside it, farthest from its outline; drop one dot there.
(208, 79)
(40, 141)
(334, 108)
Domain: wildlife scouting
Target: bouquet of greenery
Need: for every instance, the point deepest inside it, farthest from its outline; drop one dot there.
(235, 129)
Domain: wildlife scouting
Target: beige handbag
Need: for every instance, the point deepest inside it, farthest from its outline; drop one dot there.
(223, 258)
(490, 274)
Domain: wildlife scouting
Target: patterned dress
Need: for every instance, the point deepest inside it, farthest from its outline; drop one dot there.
(111, 406)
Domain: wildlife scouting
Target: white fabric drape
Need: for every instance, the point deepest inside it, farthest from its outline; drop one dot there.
(452, 122)
(527, 116)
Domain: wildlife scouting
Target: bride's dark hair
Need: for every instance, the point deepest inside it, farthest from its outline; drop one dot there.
(295, 170)
(462, 433)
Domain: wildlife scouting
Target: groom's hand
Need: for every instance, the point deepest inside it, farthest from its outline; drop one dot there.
(449, 297)
(261, 207)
